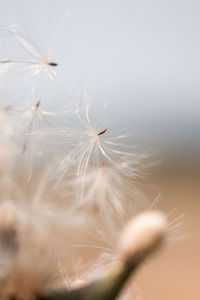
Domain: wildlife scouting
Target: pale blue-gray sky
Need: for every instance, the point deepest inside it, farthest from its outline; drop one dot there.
(140, 57)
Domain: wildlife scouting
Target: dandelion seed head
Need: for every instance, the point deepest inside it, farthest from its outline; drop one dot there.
(81, 201)
(36, 62)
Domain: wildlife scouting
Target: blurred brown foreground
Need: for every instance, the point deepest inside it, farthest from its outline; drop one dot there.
(175, 272)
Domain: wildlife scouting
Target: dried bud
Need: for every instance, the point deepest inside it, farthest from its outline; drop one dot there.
(142, 235)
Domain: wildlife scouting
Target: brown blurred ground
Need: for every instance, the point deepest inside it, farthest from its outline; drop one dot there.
(175, 273)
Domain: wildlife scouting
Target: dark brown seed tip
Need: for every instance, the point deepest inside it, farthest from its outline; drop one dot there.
(101, 132)
(37, 104)
(53, 64)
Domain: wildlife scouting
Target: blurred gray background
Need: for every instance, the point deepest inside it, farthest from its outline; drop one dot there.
(141, 58)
